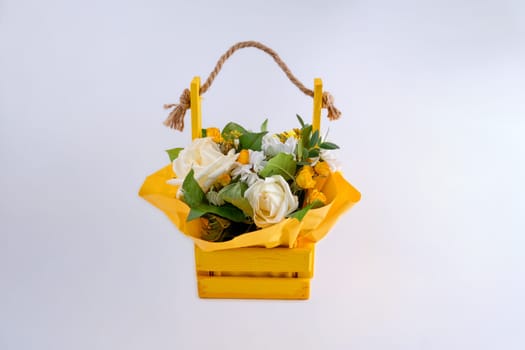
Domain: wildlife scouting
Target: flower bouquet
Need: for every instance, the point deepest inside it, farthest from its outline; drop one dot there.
(236, 192)
(237, 181)
(234, 182)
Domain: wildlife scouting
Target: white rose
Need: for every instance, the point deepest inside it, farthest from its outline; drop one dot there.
(272, 146)
(271, 200)
(207, 161)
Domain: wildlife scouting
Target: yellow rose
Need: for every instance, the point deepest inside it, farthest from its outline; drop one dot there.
(322, 168)
(304, 177)
(314, 195)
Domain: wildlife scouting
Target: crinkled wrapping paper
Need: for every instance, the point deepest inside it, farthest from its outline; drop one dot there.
(340, 194)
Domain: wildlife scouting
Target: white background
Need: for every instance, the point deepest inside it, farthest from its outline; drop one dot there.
(432, 132)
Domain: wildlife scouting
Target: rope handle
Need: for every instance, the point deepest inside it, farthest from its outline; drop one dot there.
(175, 119)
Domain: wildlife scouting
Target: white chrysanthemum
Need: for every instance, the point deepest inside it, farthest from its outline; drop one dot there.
(272, 146)
(330, 159)
(257, 160)
(246, 174)
(214, 198)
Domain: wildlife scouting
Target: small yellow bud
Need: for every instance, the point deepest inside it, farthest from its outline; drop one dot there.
(322, 168)
(244, 156)
(215, 134)
(224, 180)
(304, 177)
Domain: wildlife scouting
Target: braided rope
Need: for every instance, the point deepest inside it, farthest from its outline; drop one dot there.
(175, 119)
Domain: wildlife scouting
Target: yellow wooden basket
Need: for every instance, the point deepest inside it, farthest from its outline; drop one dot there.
(255, 273)
(247, 272)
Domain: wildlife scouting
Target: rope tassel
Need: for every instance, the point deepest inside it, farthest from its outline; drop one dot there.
(328, 104)
(175, 119)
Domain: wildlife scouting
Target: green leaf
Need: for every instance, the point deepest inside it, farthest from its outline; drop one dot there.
(264, 125)
(196, 200)
(226, 211)
(193, 194)
(314, 139)
(173, 153)
(301, 121)
(305, 154)
(252, 140)
(195, 214)
(232, 127)
(328, 145)
(300, 214)
(303, 163)
(299, 151)
(203, 132)
(305, 134)
(234, 194)
(282, 164)
(313, 153)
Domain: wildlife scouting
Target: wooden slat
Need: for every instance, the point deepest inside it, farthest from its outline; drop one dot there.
(253, 288)
(257, 260)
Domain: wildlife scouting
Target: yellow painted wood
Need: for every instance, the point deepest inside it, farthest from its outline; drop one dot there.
(196, 114)
(253, 288)
(318, 103)
(257, 273)
(256, 260)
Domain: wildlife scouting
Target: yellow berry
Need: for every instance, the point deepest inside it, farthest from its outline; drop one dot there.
(244, 156)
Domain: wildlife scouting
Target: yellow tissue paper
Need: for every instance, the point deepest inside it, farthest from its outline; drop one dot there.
(340, 195)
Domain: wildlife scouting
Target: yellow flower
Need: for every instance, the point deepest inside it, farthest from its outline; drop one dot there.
(285, 135)
(320, 181)
(224, 179)
(215, 134)
(244, 156)
(314, 195)
(322, 168)
(304, 177)
(235, 134)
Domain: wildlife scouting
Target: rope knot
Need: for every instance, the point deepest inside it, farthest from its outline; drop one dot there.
(175, 119)
(328, 103)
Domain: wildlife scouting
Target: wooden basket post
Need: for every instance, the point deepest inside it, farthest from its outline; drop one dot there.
(318, 103)
(196, 114)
